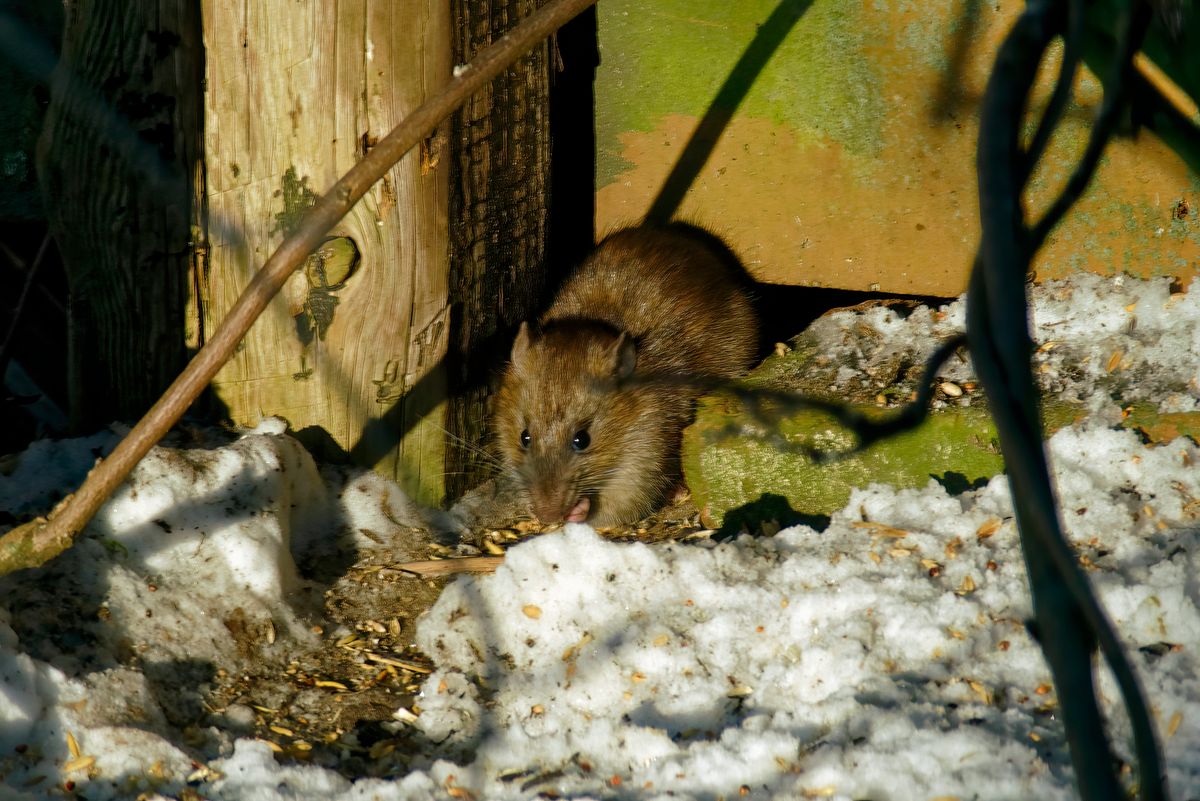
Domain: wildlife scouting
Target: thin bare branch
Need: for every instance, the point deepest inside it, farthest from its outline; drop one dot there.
(1069, 621)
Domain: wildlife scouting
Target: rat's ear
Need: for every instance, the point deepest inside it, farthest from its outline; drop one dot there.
(624, 357)
(520, 348)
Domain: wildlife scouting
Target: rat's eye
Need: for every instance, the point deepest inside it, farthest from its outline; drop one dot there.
(581, 440)
(525, 438)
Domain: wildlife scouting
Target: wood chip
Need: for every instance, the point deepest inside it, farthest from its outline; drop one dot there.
(405, 716)
(985, 695)
(531, 611)
(492, 548)
(1114, 361)
(333, 685)
(572, 652)
(987, 528)
(879, 529)
(204, 773)
(433, 568)
(950, 389)
(404, 664)
(1174, 723)
(78, 763)
(967, 587)
(73, 745)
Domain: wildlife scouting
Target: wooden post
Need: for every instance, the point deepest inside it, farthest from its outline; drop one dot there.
(350, 353)
(500, 179)
(121, 135)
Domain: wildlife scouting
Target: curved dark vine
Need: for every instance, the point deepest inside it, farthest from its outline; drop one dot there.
(1069, 620)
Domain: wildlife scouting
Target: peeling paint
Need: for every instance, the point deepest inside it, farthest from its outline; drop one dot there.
(851, 161)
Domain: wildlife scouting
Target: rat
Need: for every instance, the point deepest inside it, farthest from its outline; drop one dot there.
(591, 409)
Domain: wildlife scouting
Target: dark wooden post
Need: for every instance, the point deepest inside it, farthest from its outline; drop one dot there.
(115, 161)
(499, 206)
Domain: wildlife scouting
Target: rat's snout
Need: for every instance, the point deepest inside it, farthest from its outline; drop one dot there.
(557, 503)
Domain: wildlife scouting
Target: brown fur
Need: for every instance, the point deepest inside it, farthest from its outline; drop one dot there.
(647, 302)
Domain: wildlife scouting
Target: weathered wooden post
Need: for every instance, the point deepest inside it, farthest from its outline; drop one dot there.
(350, 353)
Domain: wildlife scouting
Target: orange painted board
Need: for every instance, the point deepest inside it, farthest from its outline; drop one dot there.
(849, 161)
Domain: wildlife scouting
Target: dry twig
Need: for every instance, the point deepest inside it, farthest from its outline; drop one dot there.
(434, 568)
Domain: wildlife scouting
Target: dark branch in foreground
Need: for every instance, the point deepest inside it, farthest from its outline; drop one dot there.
(1069, 619)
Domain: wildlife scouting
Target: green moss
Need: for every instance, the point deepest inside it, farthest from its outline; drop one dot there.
(729, 472)
(673, 56)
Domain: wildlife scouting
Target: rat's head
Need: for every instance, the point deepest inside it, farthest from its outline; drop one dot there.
(562, 418)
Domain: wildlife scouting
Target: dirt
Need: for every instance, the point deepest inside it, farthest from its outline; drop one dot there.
(336, 706)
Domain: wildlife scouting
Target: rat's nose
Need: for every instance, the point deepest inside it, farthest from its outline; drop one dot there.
(557, 505)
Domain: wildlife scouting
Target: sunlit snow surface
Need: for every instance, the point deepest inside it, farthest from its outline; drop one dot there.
(884, 658)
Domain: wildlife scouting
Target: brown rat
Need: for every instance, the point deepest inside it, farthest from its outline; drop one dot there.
(582, 427)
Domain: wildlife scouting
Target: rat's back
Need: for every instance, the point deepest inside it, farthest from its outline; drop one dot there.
(677, 290)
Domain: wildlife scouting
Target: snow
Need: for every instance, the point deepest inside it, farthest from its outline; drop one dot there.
(885, 657)
(1100, 340)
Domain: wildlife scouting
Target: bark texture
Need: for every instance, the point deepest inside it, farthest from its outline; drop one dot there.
(115, 164)
(350, 353)
(499, 202)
